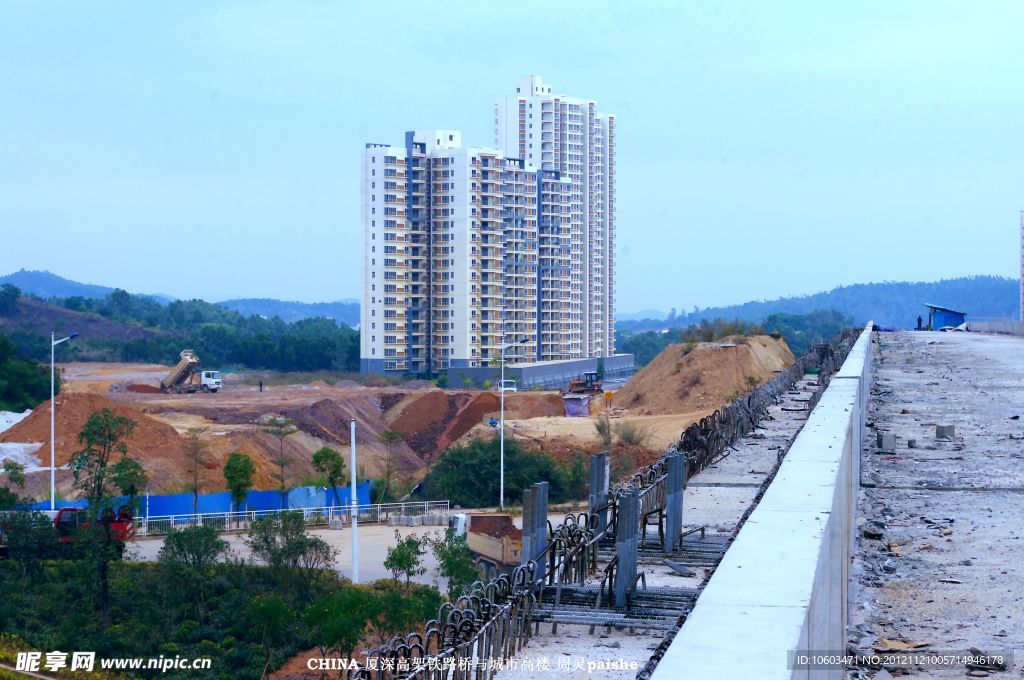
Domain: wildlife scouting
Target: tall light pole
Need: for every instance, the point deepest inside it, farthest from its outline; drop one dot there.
(53, 465)
(354, 504)
(501, 426)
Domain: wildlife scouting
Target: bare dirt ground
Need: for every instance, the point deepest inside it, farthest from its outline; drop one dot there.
(942, 522)
(429, 420)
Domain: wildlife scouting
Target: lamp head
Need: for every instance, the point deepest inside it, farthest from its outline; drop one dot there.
(72, 336)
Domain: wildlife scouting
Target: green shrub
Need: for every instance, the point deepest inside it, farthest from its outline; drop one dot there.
(633, 433)
(469, 475)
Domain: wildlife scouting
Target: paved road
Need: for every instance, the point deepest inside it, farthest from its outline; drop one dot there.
(950, 511)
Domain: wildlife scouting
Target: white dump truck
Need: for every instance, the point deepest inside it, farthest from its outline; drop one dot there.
(495, 542)
(184, 378)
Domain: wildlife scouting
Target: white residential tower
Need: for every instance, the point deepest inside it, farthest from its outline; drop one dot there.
(569, 135)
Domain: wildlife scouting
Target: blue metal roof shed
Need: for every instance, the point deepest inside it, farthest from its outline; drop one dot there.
(941, 317)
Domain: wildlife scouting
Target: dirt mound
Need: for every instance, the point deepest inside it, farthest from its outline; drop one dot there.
(677, 381)
(143, 389)
(418, 385)
(330, 420)
(389, 400)
(156, 445)
(523, 405)
(470, 415)
(496, 526)
(422, 417)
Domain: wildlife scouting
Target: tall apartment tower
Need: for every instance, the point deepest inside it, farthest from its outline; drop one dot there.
(462, 251)
(569, 135)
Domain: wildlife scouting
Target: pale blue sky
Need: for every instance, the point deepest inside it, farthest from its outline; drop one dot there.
(211, 149)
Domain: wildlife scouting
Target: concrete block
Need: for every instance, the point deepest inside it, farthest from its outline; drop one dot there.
(886, 442)
(948, 431)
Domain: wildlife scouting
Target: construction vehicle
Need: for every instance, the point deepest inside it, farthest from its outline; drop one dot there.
(589, 383)
(69, 523)
(184, 378)
(494, 541)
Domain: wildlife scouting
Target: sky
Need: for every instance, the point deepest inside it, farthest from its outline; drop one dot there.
(212, 149)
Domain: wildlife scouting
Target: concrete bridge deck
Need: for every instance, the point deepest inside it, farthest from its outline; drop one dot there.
(941, 540)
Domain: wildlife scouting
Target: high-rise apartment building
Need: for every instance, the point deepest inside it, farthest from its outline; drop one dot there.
(569, 135)
(465, 250)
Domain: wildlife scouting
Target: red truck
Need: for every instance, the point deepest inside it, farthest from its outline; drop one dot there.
(70, 521)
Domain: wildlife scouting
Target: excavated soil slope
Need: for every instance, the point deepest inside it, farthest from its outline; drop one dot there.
(157, 445)
(705, 378)
(429, 420)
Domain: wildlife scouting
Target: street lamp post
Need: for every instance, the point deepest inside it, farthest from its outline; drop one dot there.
(501, 426)
(53, 464)
(354, 505)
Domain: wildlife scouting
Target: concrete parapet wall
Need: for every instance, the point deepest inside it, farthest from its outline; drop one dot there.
(783, 584)
(1008, 327)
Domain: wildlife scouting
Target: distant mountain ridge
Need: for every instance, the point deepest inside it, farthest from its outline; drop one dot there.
(890, 303)
(344, 311)
(48, 285)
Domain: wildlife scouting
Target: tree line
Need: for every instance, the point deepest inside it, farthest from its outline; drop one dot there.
(220, 336)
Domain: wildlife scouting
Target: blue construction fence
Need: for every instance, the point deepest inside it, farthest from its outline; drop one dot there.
(181, 503)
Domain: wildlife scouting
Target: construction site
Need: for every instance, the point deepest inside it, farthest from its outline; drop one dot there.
(679, 387)
(851, 513)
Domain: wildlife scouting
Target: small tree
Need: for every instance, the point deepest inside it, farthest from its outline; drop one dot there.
(14, 474)
(97, 474)
(94, 467)
(198, 547)
(282, 542)
(331, 465)
(195, 447)
(404, 558)
(281, 428)
(338, 622)
(454, 560)
(270, 617)
(238, 474)
(389, 438)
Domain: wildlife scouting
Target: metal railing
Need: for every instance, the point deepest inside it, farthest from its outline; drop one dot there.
(375, 513)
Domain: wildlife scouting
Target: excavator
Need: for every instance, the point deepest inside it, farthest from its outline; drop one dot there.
(184, 379)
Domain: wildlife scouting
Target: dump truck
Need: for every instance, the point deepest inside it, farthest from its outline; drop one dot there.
(184, 378)
(589, 383)
(494, 541)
